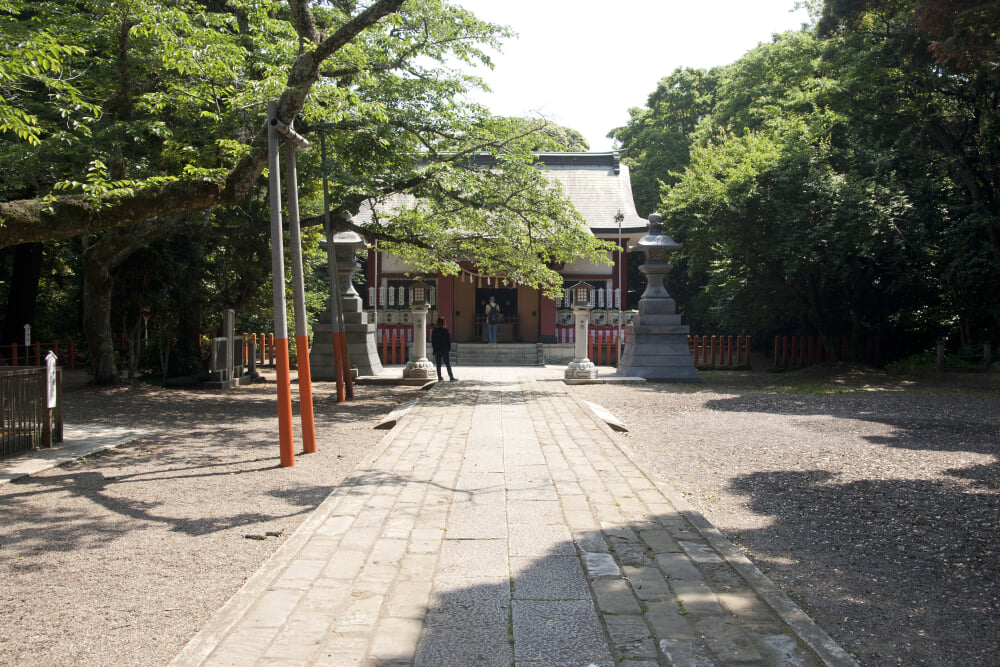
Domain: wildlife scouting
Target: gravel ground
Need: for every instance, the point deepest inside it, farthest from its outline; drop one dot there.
(120, 558)
(875, 507)
(872, 500)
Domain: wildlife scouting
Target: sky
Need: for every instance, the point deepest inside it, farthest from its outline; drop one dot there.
(585, 64)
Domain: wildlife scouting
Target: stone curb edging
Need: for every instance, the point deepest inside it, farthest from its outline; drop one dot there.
(18, 466)
(829, 652)
(200, 647)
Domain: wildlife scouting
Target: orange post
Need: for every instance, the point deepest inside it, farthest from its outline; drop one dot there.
(305, 396)
(286, 441)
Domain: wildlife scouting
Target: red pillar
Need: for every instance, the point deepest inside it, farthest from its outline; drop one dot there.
(546, 319)
(446, 301)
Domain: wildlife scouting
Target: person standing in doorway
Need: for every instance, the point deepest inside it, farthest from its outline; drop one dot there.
(492, 320)
(441, 347)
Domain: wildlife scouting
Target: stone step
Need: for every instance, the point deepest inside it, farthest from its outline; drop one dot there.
(500, 354)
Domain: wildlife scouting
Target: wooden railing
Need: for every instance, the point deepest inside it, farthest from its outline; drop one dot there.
(34, 355)
(392, 340)
(720, 351)
(807, 350)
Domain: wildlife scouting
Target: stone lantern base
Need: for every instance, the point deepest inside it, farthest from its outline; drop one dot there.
(581, 369)
(420, 368)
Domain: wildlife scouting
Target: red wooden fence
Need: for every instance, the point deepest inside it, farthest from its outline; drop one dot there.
(720, 351)
(34, 354)
(806, 350)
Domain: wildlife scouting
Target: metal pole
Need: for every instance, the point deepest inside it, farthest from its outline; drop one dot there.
(621, 293)
(336, 318)
(299, 298)
(285, 436)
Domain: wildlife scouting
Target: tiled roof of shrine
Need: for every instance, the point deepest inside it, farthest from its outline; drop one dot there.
(597, 184)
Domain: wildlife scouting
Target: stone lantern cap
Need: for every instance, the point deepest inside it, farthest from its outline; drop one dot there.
(348, 237)
(656, 240)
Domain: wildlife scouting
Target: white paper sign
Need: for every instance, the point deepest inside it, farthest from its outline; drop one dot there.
(50, 372)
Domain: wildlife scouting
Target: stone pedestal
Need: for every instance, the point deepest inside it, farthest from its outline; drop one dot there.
(362, 350)
(420, 366)
(657, 347)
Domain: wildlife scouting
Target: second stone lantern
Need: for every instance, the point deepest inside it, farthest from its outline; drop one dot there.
(581, 368)
(656, 345)
(419, 366)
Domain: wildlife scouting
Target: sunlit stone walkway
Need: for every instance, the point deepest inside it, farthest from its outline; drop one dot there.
(500, 523)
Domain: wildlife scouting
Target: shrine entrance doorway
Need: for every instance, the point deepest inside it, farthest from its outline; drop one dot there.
(509, 329)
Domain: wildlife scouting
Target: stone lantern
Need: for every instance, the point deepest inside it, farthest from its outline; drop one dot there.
(581, 368)
(657, 347)
(360, 333)
(419, 366)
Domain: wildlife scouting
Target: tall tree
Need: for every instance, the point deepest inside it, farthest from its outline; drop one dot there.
(656, 141)
(179, 130)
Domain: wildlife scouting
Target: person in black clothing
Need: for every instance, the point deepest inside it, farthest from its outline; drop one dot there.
(441, 346)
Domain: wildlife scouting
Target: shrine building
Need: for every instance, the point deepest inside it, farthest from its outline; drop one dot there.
(599, 187)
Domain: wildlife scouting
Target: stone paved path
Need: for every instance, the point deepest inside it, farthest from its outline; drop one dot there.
(501, 524)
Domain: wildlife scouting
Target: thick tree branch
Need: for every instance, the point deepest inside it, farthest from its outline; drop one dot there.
(38, 220)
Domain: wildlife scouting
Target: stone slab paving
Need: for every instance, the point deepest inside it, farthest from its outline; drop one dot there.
(500, 523)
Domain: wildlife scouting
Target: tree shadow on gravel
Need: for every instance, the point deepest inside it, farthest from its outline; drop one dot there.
(227, 441)
(870, 559)
(919, 422)
(50, 527)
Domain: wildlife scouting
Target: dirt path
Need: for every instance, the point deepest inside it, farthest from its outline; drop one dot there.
(120, 558)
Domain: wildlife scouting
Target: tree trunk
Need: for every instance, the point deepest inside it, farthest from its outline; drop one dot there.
(23, 292)
(97, 286)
